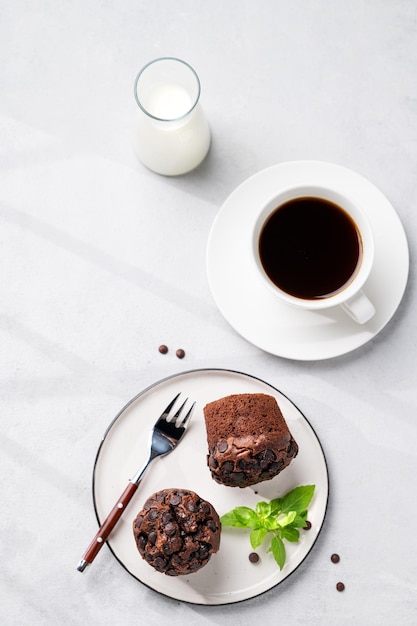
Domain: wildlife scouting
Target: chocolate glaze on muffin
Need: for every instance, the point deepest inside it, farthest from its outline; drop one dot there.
(177, 531)
(248, 439)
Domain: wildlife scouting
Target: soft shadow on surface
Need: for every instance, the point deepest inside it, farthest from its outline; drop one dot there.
(35, 465)
(214, 180)
(136, 275)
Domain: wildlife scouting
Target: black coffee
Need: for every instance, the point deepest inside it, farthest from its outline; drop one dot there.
(310, 248)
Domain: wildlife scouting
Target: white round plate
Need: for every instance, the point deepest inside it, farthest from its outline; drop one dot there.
(229, 576)
(261, 318)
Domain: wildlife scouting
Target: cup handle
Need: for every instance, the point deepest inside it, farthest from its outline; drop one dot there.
(359, 308)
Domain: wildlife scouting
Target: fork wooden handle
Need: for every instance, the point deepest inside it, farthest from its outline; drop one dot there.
(107, 526)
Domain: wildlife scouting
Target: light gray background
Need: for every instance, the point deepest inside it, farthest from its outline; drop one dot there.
(102, 261)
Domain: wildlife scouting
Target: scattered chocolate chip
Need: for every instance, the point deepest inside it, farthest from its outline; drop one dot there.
(222, 447)
(237, 477)
(166, 517)
(163, 349)
(292, 449)
(335, 558)
(170, 529)
(212, 462)
(204, 551)
(269, 455)
(180, 353)
(228, 467)
(277, 466)
(174, 500)
(177, 559)
(152, 537)
(253, 557)
(205, 507)
(340, 587)
(171, 572)
(308, 525)
(160, 563)
(192, 507)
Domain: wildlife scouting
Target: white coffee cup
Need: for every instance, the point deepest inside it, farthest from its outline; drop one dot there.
(348, 294)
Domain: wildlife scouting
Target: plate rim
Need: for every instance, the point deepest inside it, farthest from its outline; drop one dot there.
(147, 390)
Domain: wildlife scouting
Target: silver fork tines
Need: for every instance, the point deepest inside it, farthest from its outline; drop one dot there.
(176, 419)
(166, 434)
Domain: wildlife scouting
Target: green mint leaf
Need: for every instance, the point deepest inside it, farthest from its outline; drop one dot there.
(275, 506)
(263, 509)
(300, 520)
(298, 499)
(286, 519)
(247, 516)
(281, 516)
(229, 519)
(290, 534)
(278, 550)
(270, 523)
(240, 517)
(257, 536)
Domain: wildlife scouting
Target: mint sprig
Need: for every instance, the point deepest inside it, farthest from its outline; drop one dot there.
(280, 518)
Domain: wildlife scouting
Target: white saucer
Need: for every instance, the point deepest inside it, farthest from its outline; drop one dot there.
(276, 327)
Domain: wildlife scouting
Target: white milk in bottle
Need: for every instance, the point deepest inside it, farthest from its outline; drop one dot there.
(172, 136)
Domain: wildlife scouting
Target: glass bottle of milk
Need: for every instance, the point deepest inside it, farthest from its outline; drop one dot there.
(172, 136)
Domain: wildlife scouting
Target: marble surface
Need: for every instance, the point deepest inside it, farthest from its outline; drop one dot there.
(102, 261)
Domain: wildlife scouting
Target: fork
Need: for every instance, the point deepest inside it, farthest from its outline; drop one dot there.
(166, 434)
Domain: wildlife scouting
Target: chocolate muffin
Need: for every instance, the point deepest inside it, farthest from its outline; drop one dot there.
(248, 439)
(177, 531)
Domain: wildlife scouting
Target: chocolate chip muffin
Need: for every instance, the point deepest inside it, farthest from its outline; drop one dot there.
(248, 439)
(177, 531)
